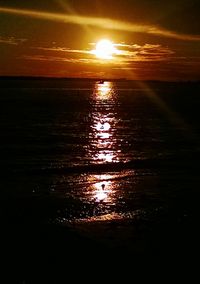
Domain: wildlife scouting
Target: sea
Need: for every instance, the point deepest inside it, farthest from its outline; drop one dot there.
(106, 150)
(101, 157)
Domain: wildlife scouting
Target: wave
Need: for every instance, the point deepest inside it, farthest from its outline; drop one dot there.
(176, 162)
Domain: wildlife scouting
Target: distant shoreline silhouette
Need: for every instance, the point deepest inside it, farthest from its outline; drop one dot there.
(91, 79)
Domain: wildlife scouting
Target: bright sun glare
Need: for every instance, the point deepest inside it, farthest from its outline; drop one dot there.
(105, 49)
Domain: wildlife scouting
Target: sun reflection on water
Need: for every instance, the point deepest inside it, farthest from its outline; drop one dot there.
(101, 193)
(102, 188)
(104, 90)
(103, 147)
(104, 126)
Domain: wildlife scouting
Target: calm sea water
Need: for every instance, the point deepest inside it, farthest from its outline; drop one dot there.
(88, 151)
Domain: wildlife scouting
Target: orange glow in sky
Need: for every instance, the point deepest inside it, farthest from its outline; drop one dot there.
(135, 40)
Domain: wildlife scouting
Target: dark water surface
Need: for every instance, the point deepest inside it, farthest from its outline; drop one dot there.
(79, 142)
(81, 153)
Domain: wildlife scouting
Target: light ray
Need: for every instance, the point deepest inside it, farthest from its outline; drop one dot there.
(174, 118)
(104, 23)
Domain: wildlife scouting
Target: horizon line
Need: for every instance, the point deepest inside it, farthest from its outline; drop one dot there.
(93, 78)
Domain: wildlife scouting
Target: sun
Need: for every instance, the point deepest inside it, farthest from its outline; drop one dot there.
(104, 49)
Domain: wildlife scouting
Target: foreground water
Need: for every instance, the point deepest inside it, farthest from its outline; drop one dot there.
(88, 151)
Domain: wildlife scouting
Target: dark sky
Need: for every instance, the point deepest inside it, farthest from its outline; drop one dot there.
(155, 39)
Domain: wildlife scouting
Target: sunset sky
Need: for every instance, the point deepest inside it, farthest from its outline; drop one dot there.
(150, 40)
